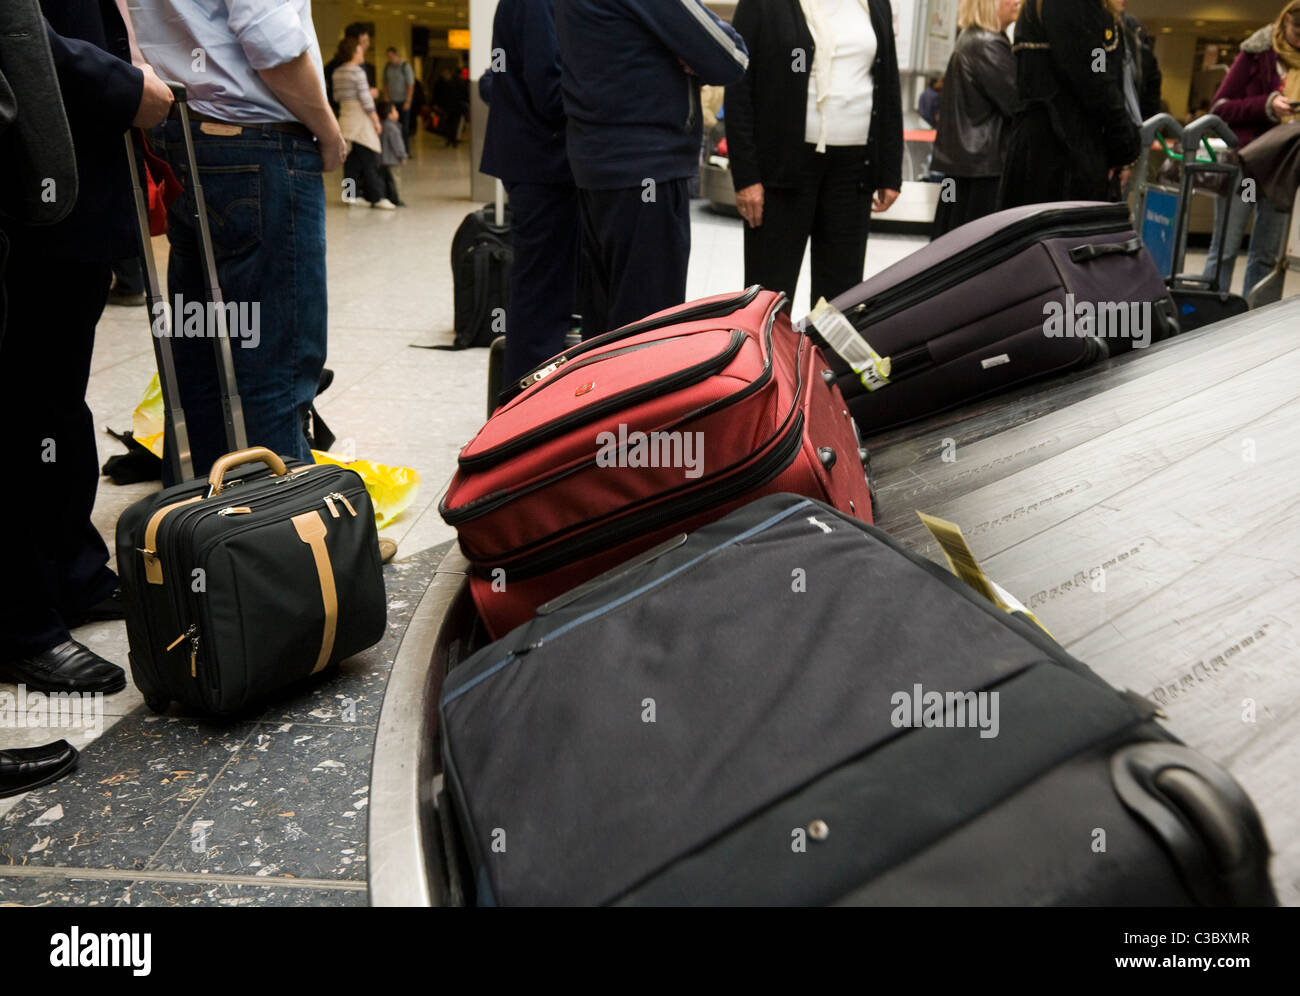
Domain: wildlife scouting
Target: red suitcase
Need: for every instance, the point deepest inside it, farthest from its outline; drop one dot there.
(645, 432)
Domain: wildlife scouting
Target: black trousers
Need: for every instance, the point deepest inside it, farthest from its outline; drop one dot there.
(130, 276)
(55, 560)
(545, 226)
(362, 164)
(972, 198)
(390, 184)
(638, 242)
(832, 208)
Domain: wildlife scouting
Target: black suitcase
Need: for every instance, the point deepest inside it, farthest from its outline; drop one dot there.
(239, 585)
(1195, 298)
(481, 257)
(993, 304)
(744, 716)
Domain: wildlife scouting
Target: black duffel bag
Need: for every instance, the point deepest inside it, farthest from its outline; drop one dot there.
(236, 587)
(787, 707)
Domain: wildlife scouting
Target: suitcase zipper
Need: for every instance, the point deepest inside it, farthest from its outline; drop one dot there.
(197, 506)
(925, 285)
(193, 633)
(191, 608)
(674, 511)
(625, 399)
(700, 312)
(769, 467)
(197, 606)
(339, 496)
(490, 502)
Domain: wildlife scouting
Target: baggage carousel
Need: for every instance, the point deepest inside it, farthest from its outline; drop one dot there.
(1146, 510)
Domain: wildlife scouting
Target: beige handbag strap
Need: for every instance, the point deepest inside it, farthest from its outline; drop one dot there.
(311, 530)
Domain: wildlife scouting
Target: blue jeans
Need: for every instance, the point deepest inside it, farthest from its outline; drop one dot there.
(1266, 241)
(266, 212)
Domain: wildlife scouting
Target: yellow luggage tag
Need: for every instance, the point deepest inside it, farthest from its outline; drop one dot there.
(872, 368)
(963, 564)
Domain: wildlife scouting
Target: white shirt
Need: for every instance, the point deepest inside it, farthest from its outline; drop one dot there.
(847, 106)
(215, 48)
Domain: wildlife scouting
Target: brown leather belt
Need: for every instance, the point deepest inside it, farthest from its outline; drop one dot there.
(295, 128)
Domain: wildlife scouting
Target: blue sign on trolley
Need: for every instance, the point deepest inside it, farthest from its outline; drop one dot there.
(1158, 228)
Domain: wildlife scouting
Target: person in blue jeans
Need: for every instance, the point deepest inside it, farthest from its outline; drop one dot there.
(1266, 241)
(263, 133)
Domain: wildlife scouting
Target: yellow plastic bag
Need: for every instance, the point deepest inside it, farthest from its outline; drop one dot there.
(147, 419)
(391, 489)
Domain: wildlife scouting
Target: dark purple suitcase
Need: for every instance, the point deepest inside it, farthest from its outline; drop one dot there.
(968, 315)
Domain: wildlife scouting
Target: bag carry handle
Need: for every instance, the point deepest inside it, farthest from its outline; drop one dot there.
(1082, 254)
(251, 455)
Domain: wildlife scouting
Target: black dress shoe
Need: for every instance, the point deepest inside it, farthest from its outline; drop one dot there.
(31, 767)
(69, 667)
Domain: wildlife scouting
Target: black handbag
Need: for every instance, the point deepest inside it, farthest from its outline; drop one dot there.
(236, 588)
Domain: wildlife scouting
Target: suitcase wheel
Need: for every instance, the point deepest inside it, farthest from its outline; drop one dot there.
(1206, 821)
(157, 705)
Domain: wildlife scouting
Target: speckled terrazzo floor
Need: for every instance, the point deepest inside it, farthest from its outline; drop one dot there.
(173, 810)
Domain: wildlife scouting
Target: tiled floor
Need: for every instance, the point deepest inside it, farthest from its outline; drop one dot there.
(176, 811)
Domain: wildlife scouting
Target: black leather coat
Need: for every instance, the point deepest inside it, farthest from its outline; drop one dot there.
(1073, 124)
(979, 99)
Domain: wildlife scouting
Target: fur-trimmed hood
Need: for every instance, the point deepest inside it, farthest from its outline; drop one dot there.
(1260, 42)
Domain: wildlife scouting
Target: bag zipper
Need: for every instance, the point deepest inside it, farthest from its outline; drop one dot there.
(523, 565)
(675, 381)
(490, 502)
(696, 313)
(190, 610)
(198, 606)
(771, 465)
(925, 285)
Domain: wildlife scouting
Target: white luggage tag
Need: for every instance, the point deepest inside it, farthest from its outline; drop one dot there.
(872, 368)
(963, 564)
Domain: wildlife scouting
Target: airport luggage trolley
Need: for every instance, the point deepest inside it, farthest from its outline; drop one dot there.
(1162, 212)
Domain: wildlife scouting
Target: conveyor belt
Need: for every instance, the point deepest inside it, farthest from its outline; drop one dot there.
(1177, 474)
(1173, 473)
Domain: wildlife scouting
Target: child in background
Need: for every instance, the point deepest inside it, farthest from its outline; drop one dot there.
(392, 148)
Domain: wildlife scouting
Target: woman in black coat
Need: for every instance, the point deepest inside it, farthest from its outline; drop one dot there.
(811, 138)
(979, 100)
(1073, 135)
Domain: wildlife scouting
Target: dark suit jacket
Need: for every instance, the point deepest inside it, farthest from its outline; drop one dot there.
(35, 142)
(524, 140)
(101, 91)
(767, 110)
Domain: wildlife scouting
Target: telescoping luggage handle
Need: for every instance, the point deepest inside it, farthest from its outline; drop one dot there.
(176, 442)
(1162, 128)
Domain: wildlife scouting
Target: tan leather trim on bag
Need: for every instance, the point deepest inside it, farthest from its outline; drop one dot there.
(153, 572)
(311, 530)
